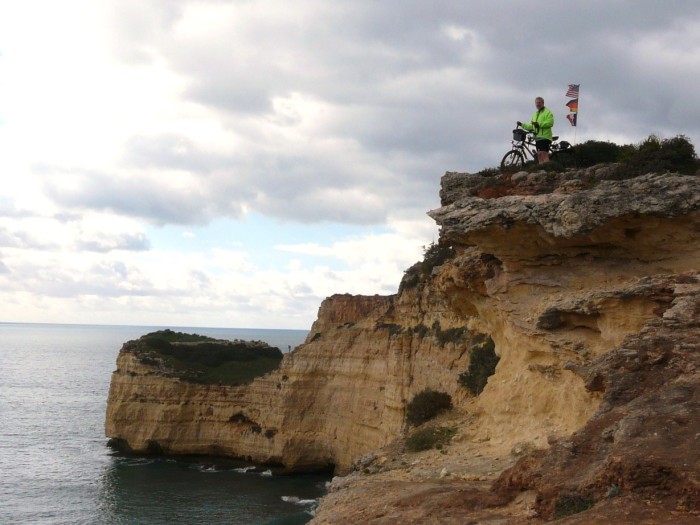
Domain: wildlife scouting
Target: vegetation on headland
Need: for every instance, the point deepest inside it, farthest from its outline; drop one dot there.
(205, 360)
(652, 155)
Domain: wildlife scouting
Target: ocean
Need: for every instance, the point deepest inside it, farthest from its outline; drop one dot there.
(55, 467)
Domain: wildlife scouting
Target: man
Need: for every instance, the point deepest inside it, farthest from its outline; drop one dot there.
(541, 123)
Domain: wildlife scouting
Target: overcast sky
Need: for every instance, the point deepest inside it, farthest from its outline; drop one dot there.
(231, 163)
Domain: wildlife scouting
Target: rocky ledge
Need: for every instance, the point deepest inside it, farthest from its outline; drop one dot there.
(561, 205)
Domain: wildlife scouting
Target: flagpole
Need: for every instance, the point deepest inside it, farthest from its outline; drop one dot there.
(573, 92)
(578, 108)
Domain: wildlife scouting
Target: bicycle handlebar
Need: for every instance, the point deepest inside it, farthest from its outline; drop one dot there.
(533, 133)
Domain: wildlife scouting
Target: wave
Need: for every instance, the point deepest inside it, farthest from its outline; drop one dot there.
(299, 501)
(243, 470)
(204, 468)
(135, 462)
(266, 473)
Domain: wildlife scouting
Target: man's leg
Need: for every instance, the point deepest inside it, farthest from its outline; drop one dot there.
(542, 150)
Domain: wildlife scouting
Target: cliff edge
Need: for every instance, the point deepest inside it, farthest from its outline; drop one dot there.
(589, 288)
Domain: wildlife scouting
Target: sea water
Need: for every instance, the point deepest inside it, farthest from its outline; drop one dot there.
(55, 467)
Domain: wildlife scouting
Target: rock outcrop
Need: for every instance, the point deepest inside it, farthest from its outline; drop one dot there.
(590, 290)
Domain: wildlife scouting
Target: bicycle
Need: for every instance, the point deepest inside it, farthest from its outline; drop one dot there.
(524, 146)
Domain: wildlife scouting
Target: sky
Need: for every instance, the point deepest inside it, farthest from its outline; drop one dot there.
(231, 163)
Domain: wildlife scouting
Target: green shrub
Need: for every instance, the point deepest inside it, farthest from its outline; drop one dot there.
(435, 254)
(213, 354)
(571, 504)
(158, 343)
(421, 330)
(654, 155)
(426, 405)
(427, 438)
(178, 337)
(392, 327)
(593, 152)
(482, 365)
(204, 360)
(411, 277)
(451, 335)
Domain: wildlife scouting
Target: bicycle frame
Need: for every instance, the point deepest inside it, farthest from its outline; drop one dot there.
(522, 149)
(527, 147)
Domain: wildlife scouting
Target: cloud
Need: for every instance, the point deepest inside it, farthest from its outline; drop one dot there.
(122, 117)
(348, 113)
(206, 286)
(164, 197)
(103, 244)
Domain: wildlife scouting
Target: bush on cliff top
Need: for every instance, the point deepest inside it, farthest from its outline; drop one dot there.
(426, 405)
(652, 155)
(655, 155)
(171, 336)
(435, 254)
(590, 153)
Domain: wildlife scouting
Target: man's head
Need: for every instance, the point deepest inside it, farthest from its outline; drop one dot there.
(539, 102)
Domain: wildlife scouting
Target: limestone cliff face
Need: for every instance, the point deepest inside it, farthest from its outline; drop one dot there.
(558, 271)
(572, 273)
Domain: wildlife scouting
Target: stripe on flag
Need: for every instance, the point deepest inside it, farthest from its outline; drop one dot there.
(573, 105)
(572, 92)
(571, 117)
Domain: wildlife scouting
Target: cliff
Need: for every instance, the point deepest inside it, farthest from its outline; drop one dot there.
(589, 288)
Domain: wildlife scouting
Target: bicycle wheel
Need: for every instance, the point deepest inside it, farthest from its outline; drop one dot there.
(512, 159)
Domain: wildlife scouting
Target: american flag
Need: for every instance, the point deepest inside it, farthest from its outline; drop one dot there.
(573, 90)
